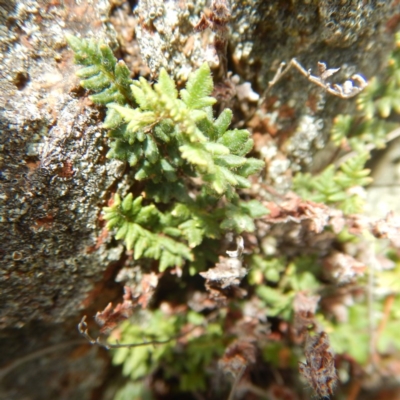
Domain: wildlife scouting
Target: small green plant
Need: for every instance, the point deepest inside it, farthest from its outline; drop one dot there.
(183, 156)
(335, 185)
(187, 175)
(187, 364)
(377, 104)
(372, 126)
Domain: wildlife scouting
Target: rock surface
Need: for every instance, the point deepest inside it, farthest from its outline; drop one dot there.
(54, 179)
(56, 260)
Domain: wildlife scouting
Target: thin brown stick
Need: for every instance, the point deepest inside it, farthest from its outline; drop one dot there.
(83, 330)
(344, 91)
(236, 382)
(256, 390)
(354, 390)
(387, 308)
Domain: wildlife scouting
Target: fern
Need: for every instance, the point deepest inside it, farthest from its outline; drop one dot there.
(381, 99)
(376, 104)
(358, 133)
(141, 360)
(333, 186)
(189, 368)
(170, 138)
(186, 171)
(102, 73)
(149, 136)
(134, 223)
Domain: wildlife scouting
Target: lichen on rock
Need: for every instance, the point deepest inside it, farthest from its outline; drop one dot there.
(54, 179)
(166, 36)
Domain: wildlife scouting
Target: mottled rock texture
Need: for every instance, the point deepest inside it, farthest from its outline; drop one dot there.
(54, 176)
(353, 35)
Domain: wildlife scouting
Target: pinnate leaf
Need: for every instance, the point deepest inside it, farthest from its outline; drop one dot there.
(198, 89)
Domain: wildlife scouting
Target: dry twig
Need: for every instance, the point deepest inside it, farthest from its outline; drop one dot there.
(83, 330)
(344, 91)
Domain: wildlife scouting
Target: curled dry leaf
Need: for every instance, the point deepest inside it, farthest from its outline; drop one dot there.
(240, 354)
(224, 279)
(345, 91)
(304, 311)
(109, 318)
(142, 285)
(319, 369)
(295, 209)
(342, 268)
(325, 73)
(388, 228)
(148, 285)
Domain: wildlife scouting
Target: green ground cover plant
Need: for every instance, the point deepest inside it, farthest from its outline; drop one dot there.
(292, 294)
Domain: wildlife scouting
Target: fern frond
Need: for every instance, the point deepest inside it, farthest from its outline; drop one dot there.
(354, 173)
(196, 96)
(102, 73)
(238, 141)
(333, 186)
(240, 217)
(137, 226)
(169, 137)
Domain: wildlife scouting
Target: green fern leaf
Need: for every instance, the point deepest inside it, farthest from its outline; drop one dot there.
(197, 155)
(166, 86)
(222, 123)
(230, 161)
(341, 128)
(250, 167)
(238, 222)
(108, 61)
(122, 150)
(133, 220)
(97, 82)
(110, 95)
(88, 72)
(198, 89)
(113, 119)
(102, 73)
(238, 141)
(122, 75)
(254, 208)
(151, 150)
(135, 118)
(192, 232)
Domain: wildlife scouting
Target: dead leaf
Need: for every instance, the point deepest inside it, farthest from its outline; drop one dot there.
(240, 354)
(224, 279)
(319, 369)
(304, 307)
(342, 268)
(109, 318)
